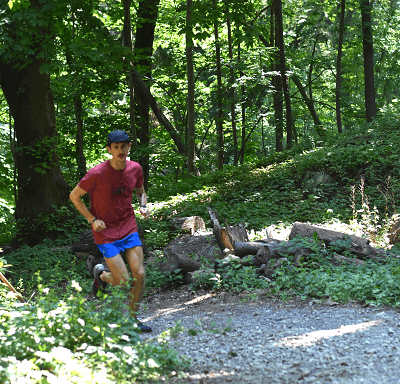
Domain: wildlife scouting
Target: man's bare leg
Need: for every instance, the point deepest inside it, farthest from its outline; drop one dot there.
(134, 257)
(119, 273)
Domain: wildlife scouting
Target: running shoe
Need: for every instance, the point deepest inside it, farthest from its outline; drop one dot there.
(98, 284)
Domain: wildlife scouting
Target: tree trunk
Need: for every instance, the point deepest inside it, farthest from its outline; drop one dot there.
(141, 87)
(243, 112)
(368, 51)
(279, 44)
(40, 182)
(219, 123)
(146, 22)
(339, 67)
(233, 91)
(127, 41)
(80, 156)
(190, 83)
(277, 85)
(310, 106)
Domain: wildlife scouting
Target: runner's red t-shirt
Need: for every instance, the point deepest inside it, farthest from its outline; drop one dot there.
(110, 193)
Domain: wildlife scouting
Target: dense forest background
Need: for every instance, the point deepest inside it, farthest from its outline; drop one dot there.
(199, 85)
(268, 112)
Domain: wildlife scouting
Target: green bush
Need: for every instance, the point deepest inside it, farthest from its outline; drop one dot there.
(73, 340)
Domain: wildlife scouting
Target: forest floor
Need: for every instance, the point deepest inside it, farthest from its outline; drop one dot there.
(252, 337)
(249, 338)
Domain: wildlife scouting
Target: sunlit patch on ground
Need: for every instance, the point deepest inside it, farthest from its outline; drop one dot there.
(179, 307)
(312, 337)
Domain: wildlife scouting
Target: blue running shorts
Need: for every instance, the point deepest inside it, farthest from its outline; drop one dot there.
(119, 246)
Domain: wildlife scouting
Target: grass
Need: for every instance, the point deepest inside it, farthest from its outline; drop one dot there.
(363, 196)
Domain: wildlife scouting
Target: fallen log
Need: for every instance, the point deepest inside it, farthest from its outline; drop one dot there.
(357, 246)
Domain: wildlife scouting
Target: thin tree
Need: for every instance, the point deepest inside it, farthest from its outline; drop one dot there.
(219, 122)
(243, 114)
(339, 67)
(279, 43)
(190, 84)
(233, 89)
(368, 53)
(277, 85)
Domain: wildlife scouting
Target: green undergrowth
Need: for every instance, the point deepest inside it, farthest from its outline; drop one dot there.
(75, 341)
(273, 190)
(60, 328)
(374, 283)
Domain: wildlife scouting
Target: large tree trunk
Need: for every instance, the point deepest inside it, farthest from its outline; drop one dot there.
(368, 50)
(190, 83)
(339, 67)
(41, 187)
(40, 182)
(146, 23)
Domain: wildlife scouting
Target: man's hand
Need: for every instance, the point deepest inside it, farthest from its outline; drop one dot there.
(145, 212)
(98, 225)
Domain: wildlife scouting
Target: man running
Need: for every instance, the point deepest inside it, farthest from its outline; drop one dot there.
(112, 218)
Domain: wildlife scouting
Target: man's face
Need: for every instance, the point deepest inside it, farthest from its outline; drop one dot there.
(119, 150)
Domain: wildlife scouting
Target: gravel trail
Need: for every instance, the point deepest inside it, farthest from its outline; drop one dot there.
(241, 339)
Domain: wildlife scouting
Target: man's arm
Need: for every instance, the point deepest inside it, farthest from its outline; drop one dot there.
(75, 197)
(142, 198)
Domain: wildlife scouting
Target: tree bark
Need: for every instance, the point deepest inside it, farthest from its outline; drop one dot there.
(339, 67)
(190, 84)
(40, 182)
(368, 51)
(41, 186)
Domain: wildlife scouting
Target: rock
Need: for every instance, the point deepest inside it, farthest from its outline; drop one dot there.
(91, 261)
(394, 232)
(340, 259)
(189, 253)
(5, 250)
(272, 266)
(314, 179)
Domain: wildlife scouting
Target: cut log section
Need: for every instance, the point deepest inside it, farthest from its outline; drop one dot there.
(226, 237)
(190, 224)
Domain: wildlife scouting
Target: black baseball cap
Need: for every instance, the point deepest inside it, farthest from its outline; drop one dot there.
(117, 136)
